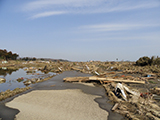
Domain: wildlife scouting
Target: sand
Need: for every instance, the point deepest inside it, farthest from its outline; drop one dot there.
(57, 105)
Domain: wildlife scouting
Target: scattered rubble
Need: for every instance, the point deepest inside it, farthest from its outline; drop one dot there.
(138, 105)
(134, 90)
(36, 80)
(128, 101)
(128, 87)
(2, 80)
(20, 79)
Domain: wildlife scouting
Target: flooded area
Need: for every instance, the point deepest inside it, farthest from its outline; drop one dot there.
(17, 78)
(56, 84)
(133, 90)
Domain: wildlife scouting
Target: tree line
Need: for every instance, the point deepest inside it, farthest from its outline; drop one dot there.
(8, 55)
(28, 59)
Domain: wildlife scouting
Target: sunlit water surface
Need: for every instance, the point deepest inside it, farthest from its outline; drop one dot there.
(11, 79)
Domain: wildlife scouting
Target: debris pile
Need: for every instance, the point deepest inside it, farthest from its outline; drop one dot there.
(132, 87)
(131, 103)
(133, 90)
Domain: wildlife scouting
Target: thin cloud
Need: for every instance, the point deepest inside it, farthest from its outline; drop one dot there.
(86, 6)
(39, 4)
(115, 27)
(149, 37)
(46, 14)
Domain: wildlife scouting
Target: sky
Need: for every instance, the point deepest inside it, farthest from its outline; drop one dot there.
(81, 30)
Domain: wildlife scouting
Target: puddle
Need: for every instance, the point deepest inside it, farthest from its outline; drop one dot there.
(4, 71)
(12, 76)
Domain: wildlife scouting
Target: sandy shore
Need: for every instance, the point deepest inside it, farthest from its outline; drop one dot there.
(57, 105)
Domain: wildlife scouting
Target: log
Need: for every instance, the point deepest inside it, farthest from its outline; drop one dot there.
(77, 69)
(115, 106)
(115, 80)
(76, 79)
(102, 80)
(122, 112)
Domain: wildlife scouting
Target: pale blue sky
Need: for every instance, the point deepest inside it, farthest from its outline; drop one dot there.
(81, 30)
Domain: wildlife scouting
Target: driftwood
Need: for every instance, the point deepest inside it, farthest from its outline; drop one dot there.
(115, 106)
(115, 80)
(102, 80)
(77, 69)
(76, 79)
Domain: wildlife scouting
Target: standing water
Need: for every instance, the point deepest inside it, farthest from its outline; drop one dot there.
(12, 76)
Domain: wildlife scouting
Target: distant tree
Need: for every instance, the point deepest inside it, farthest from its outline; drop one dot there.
(143, 61)
(34, 59)
(29, 59)
(8, 55)
(157, 61)
(14, 56)
(42, 59)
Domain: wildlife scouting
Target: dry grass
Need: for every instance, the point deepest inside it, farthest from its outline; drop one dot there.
(9, 93)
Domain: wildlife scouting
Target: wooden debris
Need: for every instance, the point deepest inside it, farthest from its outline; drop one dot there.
(115, 106)
(2, 80)
(105, 82)
(76, 79)
(116, 80)
(149, 115)
(102, 80)
(77, 69)
(122, 112)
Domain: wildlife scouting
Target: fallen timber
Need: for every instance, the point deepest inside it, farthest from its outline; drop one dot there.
(76, 79)
(115, 80)
(101, 80)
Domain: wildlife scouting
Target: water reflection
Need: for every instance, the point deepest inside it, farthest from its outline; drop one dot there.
(17, 78)
(4, 71)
